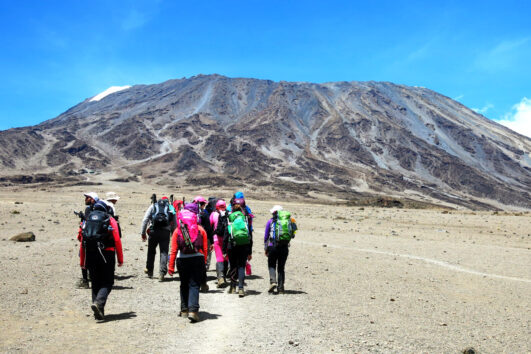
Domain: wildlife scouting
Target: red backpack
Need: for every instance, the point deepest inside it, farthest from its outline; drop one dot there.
(189, 239)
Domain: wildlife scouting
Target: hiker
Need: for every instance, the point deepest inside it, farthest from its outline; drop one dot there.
(218, 221)
(204, 221)
(161, 222)
(210, 208)
(111, 199)
(238, 198)
(237, 244)
(279, 231)
(187, 241)
(100, 242)
(90, 199)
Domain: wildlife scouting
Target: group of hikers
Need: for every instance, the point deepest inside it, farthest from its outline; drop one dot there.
(186, 234)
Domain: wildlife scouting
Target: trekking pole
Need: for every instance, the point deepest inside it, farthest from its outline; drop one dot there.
(153, 198)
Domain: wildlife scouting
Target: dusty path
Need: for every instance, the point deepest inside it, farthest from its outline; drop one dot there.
(387, 281)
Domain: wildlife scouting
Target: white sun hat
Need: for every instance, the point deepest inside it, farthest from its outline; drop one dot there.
(111, 196)
(275, 209)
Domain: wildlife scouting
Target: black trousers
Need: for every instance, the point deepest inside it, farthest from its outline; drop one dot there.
(101, 269)
(277, 257)
(159, 238)
(191, 274)
(238, 260)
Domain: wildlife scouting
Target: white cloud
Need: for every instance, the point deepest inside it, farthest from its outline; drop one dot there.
(504, 55)
(519, 119)
(484, 109)
(458, 98)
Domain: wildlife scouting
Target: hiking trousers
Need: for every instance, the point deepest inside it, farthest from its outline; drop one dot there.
(159, 238)
(190, 273)
(238, 260)
(276, 259)
(101, 270)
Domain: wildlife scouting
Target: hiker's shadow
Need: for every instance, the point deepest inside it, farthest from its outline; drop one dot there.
(251, 277)
(168, 279)
(119, 287)
(119, 316)
(252, 292)
(124, 277)
(203, 315)
(294, 292)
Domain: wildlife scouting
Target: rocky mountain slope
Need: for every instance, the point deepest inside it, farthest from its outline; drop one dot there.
(349, 139)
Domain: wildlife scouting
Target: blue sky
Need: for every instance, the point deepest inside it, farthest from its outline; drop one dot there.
(57, 53)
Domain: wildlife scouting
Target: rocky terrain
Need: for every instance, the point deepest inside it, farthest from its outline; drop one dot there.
(352, 140)
(359, 279)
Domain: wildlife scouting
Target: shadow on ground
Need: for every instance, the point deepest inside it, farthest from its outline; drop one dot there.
(203, 315)
(119, 287)
(294, 292)
(119, 316)
(124, 277)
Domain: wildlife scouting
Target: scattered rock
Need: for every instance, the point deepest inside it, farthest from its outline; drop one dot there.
(469, 350)
(23, 237)
(24, 291)
(15, 212)
(19, 202)
(324, 246)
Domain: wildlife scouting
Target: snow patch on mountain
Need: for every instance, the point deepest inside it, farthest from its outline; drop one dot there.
(107, 92)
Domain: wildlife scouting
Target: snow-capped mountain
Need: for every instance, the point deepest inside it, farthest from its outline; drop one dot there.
(349, 139)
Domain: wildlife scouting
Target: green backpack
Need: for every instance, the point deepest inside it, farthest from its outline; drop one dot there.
(284, 229)
(238, 229)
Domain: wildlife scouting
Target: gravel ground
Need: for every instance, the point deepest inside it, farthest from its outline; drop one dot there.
(357, 280)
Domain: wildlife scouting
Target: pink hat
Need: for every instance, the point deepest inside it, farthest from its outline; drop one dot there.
(199, 199)
(220, 204)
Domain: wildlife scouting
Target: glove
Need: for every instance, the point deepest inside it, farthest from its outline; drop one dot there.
(144, 237)
(170, 272)
(120, 264)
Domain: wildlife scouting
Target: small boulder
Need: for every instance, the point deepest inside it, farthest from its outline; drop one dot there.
(23, 237)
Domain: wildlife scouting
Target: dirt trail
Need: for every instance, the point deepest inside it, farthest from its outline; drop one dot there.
(372, 280)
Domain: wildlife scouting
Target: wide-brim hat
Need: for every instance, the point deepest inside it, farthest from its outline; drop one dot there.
(275, 209)
(111, 196)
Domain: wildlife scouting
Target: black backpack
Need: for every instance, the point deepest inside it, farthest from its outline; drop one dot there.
(96, 231)
(160, 215)
(223, 222)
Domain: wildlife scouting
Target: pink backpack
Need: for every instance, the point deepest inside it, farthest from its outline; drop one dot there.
(188, 238)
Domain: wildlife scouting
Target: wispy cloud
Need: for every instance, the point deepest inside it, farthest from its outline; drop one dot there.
(134, 19)
(504, 55)
(519, 118)
(457, 98)
(483, 110)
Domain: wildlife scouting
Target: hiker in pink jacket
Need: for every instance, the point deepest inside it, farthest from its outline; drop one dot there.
(218, 221)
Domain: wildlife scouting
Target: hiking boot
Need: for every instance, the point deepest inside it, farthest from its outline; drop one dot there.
(241, 293)
(232, 289)
(204, 288)
(193, 317)
(281, 290)
(83, 284)
(221, 283)
(272, 288)
(149, 273)
(98, 311)
(184, 313)
(161, 277)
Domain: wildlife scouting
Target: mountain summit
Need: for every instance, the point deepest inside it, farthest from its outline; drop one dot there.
(347, 139)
